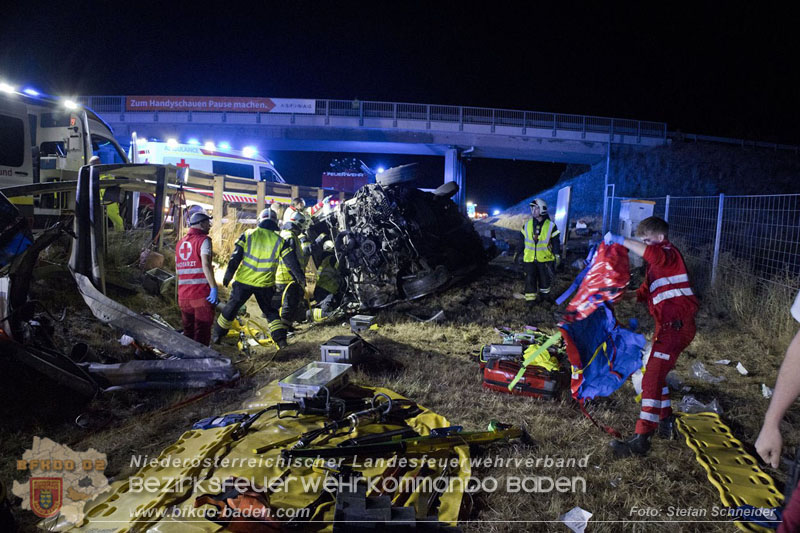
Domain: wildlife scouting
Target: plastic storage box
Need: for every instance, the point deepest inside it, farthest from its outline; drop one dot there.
(342, 349)
(361, 323)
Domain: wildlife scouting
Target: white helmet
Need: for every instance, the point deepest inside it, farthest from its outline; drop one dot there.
(541, 203)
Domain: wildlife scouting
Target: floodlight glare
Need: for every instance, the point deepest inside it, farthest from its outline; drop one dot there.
(249, 151)
(194, 142)
(172, 143)
(380, 170)
(209, 145)
(6, 88)
(225, 146)
(30, 92)
(70, 104)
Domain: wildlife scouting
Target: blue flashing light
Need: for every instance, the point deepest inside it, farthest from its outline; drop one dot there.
(31, 91)
(380, 170)
(495, 212)
(249, 151)
(225, 146)
(193, 142)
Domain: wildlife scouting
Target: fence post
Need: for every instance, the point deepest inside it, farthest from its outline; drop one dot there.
(666, 210)
(219, 188)
(715, 261)
(158, 210)
(261, 192)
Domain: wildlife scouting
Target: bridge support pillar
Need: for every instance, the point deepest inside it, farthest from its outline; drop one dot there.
(454, 171)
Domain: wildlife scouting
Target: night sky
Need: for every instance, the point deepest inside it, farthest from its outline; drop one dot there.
(701, 67)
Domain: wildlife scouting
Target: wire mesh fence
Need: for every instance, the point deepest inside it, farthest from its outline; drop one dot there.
(756, 236)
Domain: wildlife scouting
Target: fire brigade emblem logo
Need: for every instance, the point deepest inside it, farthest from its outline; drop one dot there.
(185, 251)
(46, 495)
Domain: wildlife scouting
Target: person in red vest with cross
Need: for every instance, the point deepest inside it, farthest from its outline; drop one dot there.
(197, 290)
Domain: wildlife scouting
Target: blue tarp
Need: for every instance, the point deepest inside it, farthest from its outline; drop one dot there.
(605, 369)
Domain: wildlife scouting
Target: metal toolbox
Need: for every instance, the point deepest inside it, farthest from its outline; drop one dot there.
(361, 323)
(310, 379)
(511, 352)
(342, 349)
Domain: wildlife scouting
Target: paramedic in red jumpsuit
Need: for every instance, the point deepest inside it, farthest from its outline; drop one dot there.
(197, 290)
(673, 305)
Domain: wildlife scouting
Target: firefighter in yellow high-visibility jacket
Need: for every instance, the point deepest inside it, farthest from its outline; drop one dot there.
(542, 252)
(252, 268)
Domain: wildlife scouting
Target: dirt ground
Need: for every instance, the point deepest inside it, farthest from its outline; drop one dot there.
(433, 364)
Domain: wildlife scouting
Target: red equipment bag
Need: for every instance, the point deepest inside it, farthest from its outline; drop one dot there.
(536, 382)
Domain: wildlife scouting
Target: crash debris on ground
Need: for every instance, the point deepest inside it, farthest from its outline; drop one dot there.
(387, 380)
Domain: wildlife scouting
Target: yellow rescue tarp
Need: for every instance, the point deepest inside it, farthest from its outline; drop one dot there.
(160, 496)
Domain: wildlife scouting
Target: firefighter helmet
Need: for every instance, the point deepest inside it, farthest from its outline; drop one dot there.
(541, 203)
(267, 213)
(198, 217)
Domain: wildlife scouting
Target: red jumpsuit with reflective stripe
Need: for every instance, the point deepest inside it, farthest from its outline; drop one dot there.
(673, 305)
(197, 313)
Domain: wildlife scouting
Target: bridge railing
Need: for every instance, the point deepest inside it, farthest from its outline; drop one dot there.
(461, 115)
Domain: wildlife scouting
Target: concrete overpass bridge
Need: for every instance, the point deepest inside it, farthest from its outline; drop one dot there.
(377, 127)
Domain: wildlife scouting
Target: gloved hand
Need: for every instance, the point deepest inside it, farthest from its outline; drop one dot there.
(212, 297)
(610, 238)
(226, 279)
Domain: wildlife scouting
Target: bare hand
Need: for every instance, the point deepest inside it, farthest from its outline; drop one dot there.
(769, 444)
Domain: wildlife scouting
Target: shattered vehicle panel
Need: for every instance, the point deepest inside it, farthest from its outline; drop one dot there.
(161, 374)
(396, 242)
(25, 335)
(140, 327)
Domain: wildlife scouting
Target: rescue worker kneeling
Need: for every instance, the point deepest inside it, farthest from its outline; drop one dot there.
(254, 261)
(327, 291)
(290, 292)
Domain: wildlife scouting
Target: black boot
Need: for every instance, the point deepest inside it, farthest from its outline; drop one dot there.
(667, 429)
(281, 343)
(639, 444)
(217, 333)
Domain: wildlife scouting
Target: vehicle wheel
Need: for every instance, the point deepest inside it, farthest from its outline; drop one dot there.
(397, 175)
(426, 283)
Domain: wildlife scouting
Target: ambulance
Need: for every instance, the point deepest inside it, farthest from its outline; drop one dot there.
(245, 163)
(42, 138)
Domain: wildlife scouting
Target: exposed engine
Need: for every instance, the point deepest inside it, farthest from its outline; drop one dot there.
(395, 242)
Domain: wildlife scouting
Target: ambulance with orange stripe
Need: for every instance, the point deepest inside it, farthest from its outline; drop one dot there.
(211, 158)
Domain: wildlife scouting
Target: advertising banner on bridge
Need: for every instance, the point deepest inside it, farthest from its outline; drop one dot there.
(230, 104)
